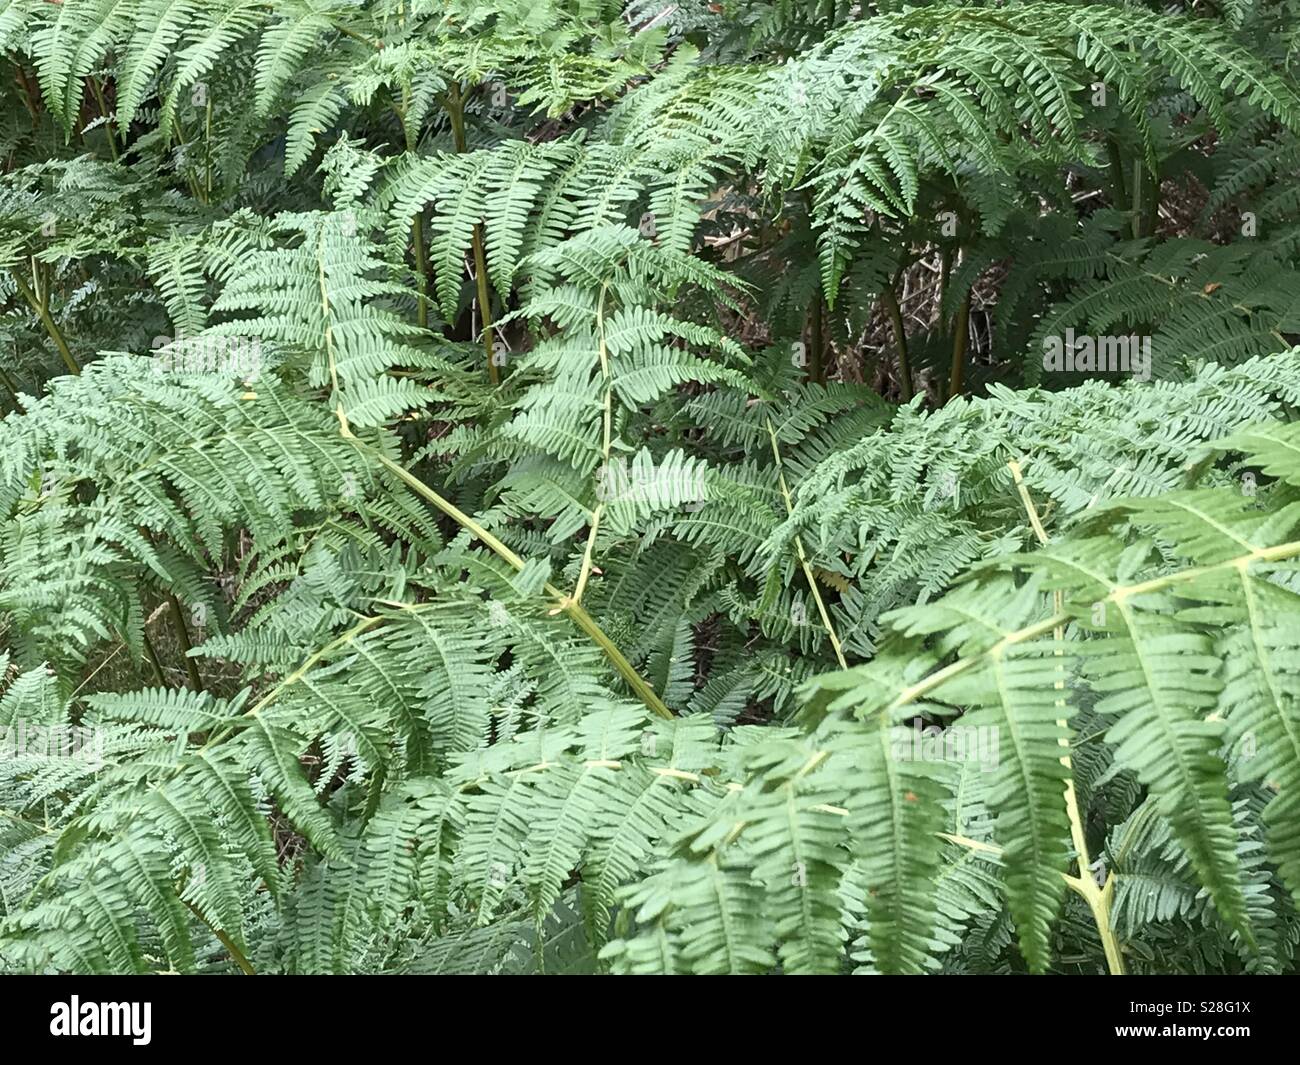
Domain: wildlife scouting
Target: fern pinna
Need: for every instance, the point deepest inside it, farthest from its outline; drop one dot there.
(578, 487)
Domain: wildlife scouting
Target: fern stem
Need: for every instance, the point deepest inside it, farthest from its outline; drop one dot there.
(1117, 594)
(455, 106)
(625, 669)
(890, 299)
(293, 678)
(154, 661)
(181, 141)
(1119, 191)
(564, 604)
(42, 310)
(207, 152)
(327, 315)
(815, 325)
(362, 38)
(607, 418)
(236, 955)
(1139, 213)
(585, 572)
(28, 97)
(103, 110)
(421, 271)
(374, 794)
(816, 371)
(7, 381)
(960, 340)
(1098, 899)
(803, 558)
(945, 272)
(972, 844)
(417, 221)
(484, 305)
(1151, 214)
(183, 635)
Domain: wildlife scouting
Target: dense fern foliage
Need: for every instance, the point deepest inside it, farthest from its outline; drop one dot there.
(563, 486)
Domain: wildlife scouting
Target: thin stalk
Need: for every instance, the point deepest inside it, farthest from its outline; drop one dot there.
(484, 306)
(375, 794)
(42, 310)
(945, 272)
(1098, 898)
(327, 316)
(815, 325)
(1136, 223)
(362, 627)
(183, 635)
(1151, 215)
(108, 122)
(1146, 200)
(154, 661)
(895, 312)
(29, 98)
(181, 141)
(816, 371)
(417, 222)
(7, 381)
(236, 955)
(1119, 191)
(421, 270)
(376, 45)
(608, 404)
(207, 151)
(803, 558)
(960, 339)
(563, 603)
(455, 107)
(1117, 594)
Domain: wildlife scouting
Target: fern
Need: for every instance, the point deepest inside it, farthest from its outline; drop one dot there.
(579, 487)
